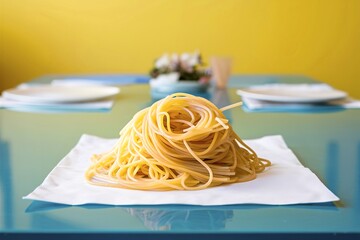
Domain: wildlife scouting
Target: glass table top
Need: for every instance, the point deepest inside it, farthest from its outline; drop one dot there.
(31, 144)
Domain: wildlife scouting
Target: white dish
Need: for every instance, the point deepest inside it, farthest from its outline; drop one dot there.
(60, 94)
(292, 95)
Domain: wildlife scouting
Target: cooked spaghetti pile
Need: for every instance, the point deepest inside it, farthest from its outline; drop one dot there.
(181, 142)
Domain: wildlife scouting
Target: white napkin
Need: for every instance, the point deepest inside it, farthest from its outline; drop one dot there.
(253, 104)
(107, 80)
(285, 182)
(80, 82)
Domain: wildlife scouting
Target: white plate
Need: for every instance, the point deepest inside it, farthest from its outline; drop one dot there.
(60, 94)
(292, 95)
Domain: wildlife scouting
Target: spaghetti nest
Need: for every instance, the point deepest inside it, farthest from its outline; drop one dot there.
(181, 142)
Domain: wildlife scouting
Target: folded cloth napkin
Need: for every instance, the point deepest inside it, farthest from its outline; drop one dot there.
(102, 80)
(295, 98)
(285, 182)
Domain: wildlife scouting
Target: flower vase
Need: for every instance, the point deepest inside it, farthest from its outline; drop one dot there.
(163, 86)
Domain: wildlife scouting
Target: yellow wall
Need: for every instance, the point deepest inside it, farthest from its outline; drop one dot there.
(317, 38)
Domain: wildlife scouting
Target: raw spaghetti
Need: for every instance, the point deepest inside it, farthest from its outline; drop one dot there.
(181, 142)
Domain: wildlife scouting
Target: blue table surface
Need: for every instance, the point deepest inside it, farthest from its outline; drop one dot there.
(31, 144)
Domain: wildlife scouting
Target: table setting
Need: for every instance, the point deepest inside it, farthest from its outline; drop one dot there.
(305, 175)
(171, 74)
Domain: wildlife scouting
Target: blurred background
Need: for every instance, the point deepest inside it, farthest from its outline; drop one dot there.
(317, 38)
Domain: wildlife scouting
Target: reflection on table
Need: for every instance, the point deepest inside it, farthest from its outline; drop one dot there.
(182, 218)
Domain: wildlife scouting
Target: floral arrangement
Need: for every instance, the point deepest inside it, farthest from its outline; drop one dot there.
(186, 67)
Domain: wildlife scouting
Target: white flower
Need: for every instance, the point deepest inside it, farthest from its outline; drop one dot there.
(174, 62)
(190, 60)
(185, 57)
(175, 58)
(194, 59)
(163, 61)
